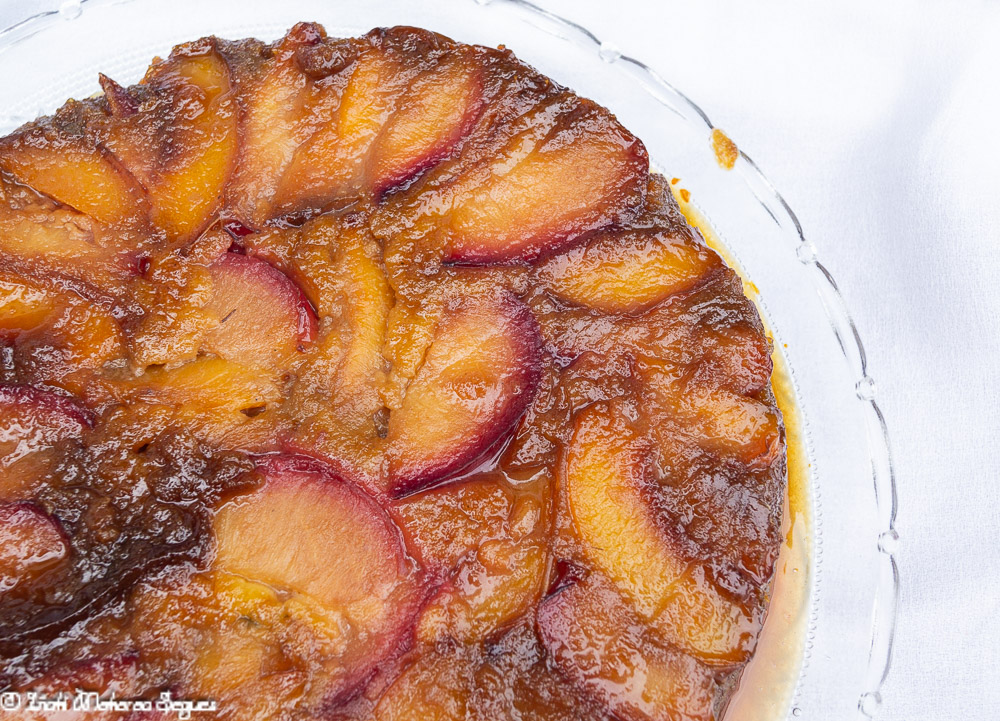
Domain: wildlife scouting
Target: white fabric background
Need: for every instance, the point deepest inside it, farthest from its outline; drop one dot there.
(878, 122)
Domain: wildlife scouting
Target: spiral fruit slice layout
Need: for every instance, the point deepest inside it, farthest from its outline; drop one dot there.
(373, 378)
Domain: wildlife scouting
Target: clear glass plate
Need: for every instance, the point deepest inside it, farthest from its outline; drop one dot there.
(835, 663)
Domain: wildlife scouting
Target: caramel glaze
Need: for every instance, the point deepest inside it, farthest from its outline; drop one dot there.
(768, 682)
(375, 378)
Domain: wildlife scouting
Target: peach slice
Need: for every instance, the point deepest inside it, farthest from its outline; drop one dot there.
(628, 271)
(597, 642)
(74, 171)
(525, 207)
(606, 473)
(182, 144)
(262, 317)
(30, 543)
(439, 108)
(480, 374)
(31, 422)
(341, 561)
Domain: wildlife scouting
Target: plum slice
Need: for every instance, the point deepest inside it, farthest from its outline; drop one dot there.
(260, 652)
(737, 425)
(31, 422)
(479, 376)
(263, 317)
(23, 306)
(628, 271)
(598, 643)
(30, 543)
(434, 687)
(183, 144)
(73, 170)
(173, 288)
(500, 583)
(321, 542)
(330, 165)
(42, 235)
(208, 383)
(437, 111)
(59, 338)
(34, 418)
(586, 174)
(255, 326)
(607, 470)
(721, 420)
(56, 320)
(489, 544)
(336, 401)
(739, 357)
(217, 400)
(120, 675)
(281, 108)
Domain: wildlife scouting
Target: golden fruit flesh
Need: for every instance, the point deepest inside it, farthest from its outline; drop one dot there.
(373, 378)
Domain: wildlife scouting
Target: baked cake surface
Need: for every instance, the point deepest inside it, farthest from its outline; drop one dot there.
(372, 378)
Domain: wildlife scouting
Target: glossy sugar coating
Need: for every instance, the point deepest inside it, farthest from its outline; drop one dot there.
(373, 378)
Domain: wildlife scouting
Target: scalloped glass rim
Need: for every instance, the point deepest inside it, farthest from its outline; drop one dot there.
(854, 582)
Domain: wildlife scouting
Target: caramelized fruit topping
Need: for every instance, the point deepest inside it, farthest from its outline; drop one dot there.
(373, 378)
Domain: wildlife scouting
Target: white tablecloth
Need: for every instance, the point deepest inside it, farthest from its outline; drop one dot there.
(879, 124)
